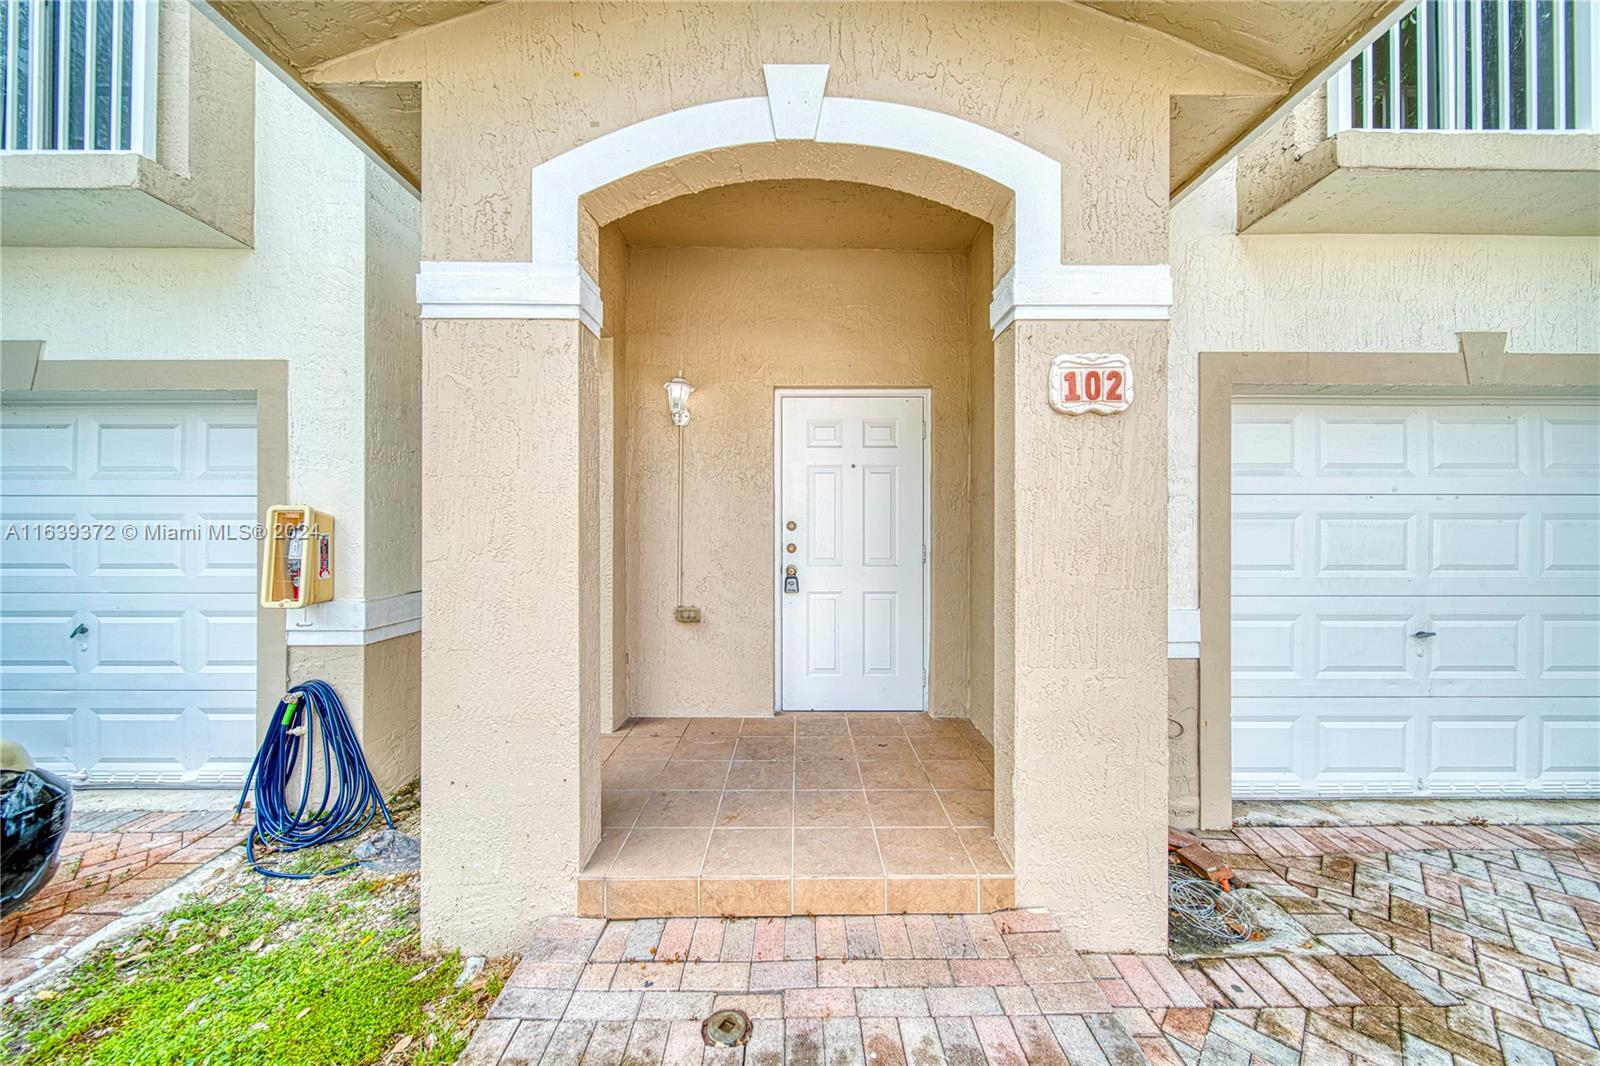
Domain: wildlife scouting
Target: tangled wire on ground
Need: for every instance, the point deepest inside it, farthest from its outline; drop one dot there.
(1206, 908)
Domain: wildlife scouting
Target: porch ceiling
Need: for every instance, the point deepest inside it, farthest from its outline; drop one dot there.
(1294, 43)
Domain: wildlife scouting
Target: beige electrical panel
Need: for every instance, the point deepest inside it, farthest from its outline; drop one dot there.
(297, 557)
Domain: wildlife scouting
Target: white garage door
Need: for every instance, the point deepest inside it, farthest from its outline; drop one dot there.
(1416, 598)
(127, 595)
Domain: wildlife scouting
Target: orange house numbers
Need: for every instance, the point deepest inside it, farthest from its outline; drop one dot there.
(1093, 383)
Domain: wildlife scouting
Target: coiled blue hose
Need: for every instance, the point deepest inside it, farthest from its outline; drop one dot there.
(346, 780)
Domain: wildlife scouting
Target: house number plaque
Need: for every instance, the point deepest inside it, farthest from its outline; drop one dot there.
(1095, 383)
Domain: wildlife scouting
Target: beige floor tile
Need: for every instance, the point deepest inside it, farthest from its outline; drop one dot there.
(829, 895)
(984, 852)
(957, 773)
(923, 851)
(826, 773)
(941, 747)
(620, 807)
(830, 809)
(605, 853)
(748, 853)
(974, 807)
(645, 746)
(659, 727)
(821, 725)
(661, 853)
(711, 728)
(693, 773)
(747, 809)
(884, 746)
(640, 773)
(935, 895)
(837, 746)
(775, 749)
(893, 773)
(745, 897)
(905, 807)
(875, 724)
(705, 748)
(678, 808)
(782, 726)
(767, 775)
(836, 853)
(653, 898)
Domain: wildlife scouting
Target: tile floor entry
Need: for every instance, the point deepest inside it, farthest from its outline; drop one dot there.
(869, 813)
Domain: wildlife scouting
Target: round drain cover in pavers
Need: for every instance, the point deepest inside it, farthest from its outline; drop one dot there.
(726, 1028)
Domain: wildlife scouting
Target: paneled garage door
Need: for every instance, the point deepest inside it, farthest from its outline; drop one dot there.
(127, 601)
(1416, 598)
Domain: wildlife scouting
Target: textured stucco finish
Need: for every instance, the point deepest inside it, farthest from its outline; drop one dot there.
(1183, 749)
(502, 667)
(1089, 91)
(981, 535)
(514, 488)
(1351, 294)
(1297, 179)
(378, 685)
(740, 322)
(326, 290)
(199, 190)
(1088, 747)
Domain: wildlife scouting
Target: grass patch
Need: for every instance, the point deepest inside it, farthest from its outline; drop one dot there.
(328, 972)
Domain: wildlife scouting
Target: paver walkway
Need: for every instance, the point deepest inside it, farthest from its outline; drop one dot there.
(111, 861)
(1430, 944)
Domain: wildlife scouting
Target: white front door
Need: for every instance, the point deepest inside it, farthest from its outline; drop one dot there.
(1416, 598)
(128, 587)
(851, 505)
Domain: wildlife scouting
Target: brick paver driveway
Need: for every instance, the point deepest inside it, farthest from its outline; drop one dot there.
(111, 862)
(1429, 944)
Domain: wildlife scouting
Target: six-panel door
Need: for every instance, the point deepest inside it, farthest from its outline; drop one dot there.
(852, 484)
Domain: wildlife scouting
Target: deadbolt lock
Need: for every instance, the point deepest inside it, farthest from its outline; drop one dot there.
(789, 571)
(789, 547)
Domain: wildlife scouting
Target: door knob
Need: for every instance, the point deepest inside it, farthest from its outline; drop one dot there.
(78, 632)
(1424, 634)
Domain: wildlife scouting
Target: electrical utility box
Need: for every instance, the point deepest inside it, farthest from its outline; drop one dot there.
(297, 557)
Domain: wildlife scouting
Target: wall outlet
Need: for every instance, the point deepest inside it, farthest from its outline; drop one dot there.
(687, 614)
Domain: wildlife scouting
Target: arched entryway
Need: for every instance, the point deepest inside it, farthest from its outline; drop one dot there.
(519, 533)
(842, 326)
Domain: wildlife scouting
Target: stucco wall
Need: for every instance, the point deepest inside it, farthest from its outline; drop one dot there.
(1088, 90)
(981, 536)
(1351, 294)
(739, 322)
(393, 352)
(327, 289)
(299, 295)
(1308, 293)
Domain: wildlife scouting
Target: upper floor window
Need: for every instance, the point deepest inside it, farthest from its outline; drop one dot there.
(78, 75)
(1526, 65)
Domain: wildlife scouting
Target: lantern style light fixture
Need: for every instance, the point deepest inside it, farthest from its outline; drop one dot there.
(678, 391)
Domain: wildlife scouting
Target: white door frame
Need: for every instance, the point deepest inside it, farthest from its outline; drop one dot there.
(926, 396)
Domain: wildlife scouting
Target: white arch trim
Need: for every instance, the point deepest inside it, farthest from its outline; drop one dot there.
(553, 284)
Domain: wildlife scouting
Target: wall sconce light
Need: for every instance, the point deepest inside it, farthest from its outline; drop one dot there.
(678, 391)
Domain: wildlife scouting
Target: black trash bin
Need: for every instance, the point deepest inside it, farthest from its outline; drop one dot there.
(35, 808)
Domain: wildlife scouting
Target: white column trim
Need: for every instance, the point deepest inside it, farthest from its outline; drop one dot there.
(1183, 633)
(1068, 292)
(343, 623)
(509, 290)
